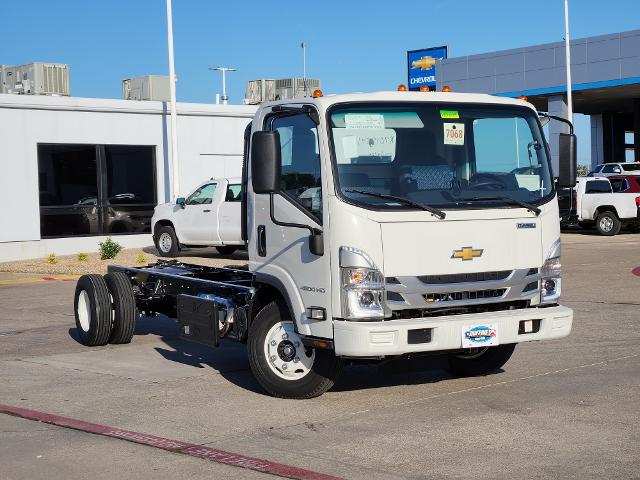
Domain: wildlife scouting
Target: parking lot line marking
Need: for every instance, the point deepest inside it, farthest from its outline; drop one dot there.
(18, 281)
(175, 446)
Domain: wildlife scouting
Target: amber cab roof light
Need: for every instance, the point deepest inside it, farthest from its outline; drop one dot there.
(402, 88)
(446, 88)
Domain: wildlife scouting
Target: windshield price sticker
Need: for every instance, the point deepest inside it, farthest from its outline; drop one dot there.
(453, 133)
(364, 120)
(449, 114)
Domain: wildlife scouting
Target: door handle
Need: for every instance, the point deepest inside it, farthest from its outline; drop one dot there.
(205, 211)
(262, 241)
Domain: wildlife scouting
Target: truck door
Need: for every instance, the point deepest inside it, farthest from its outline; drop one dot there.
(281, 254)
(229, 215)
(197, 222)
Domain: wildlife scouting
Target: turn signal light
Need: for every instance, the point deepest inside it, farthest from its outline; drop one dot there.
(317, 93)
(402, 88)
(424, 88)
(638, 202)
(446, 88)
(523, 98)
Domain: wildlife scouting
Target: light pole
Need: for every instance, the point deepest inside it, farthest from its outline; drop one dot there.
(174, 114)
(567, 50)
(224, 71)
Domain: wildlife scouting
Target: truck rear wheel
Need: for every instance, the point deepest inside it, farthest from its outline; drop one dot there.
(608, 224)
(167, 242)
(480, 361)
(93, 313)
(281, 363)
(124, 307)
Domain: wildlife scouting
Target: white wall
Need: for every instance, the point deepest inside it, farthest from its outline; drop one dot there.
(210, 145)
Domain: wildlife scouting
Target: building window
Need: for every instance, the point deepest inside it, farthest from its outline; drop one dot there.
(95, 189)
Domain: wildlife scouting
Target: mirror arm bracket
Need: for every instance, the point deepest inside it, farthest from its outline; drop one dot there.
(312, 230)
(560, 119)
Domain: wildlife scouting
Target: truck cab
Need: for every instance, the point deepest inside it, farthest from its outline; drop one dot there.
(398, 223)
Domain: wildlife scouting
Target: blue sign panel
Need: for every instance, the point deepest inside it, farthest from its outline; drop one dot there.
(421, 67)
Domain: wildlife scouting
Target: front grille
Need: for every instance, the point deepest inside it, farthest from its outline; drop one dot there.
(466, 295)
(459, 310)
(465, 277)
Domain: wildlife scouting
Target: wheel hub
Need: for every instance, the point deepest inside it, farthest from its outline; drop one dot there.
(286, 355)
(606, 224)
(165, 242)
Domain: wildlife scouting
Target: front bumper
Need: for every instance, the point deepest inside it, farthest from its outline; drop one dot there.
(372, 339)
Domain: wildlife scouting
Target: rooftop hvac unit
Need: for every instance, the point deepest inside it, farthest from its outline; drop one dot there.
(259, 91)
(296, 87)
(35, 79)
(149, 87)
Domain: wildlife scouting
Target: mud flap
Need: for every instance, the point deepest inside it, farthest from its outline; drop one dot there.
(198, 320)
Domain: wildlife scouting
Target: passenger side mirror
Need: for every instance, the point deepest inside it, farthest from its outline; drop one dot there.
(568, 163)
(265, 162)
(181, 201)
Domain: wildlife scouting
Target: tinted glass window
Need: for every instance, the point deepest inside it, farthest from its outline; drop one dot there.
(233, 193)
(611, 169)
(619, 184)
(130, 175)
(631, 167)
(67, 175)
(203, 195)
(598, 186)
(300, 174)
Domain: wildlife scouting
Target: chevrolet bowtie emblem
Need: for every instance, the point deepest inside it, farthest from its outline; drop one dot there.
(467, 253)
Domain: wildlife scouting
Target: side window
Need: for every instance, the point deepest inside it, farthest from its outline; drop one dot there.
(598, 186)
(233, 193)
(610, 169)
(203, 195)
(300, 175)
(619, 184)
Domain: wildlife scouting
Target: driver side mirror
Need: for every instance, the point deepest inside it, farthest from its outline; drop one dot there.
(181, 202)
(568, 163)
(316, 242)
(266, 162)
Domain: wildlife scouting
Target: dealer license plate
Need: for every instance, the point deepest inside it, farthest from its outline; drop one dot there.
(474, 336)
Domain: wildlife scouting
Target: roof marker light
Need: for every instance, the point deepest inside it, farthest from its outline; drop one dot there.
(446, 88)
(523, 98)
(424, 88)
(317, 93)
(402, 88)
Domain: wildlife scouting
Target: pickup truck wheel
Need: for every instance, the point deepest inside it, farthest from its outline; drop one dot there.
(608, 224)
(124, 307)
(283, 366)
(167, 242)
(226, 249)
(92, 307)
(480, 361)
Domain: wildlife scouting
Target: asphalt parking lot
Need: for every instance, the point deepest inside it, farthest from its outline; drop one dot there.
(561, 409)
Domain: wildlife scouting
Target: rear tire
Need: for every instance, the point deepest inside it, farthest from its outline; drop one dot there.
(124, 307)
(608, 224)
(167, 242)
(273, 348)
(480, 361)
(226, 249)
(92, 307)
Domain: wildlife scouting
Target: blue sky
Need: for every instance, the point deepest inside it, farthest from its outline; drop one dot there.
(352, 45)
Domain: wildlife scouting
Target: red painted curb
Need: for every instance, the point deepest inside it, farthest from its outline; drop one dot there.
(193, 450)
(636, 271)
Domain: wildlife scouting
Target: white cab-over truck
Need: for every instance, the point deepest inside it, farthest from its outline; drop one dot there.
(208, 217)
(377, 225)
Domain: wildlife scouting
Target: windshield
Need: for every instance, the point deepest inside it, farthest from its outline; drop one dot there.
(446, 156)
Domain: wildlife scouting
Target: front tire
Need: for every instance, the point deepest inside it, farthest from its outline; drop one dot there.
(167, 242)
(608, 224)
(480, 361)
(92, 307)
(281, 363)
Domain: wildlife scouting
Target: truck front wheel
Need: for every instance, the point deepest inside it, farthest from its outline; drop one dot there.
(167, 242)
(480, 361)
(281, 363)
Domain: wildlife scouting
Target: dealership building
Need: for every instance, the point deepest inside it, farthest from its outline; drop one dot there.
(76, 170)
(605, 73)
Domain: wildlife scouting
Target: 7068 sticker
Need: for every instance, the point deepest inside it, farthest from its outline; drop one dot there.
(453, 133)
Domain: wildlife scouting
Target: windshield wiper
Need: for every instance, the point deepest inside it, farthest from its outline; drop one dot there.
(528, 206)
(433, 211)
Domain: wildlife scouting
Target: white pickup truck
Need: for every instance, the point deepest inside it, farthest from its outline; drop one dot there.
(598, 205)
(208, 217)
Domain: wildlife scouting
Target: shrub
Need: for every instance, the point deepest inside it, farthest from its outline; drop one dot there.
(109, 249)
(83, 257)
(52, 259)
(141, 258)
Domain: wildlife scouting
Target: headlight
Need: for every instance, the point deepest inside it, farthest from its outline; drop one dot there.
(362, 286)
(550, 284)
